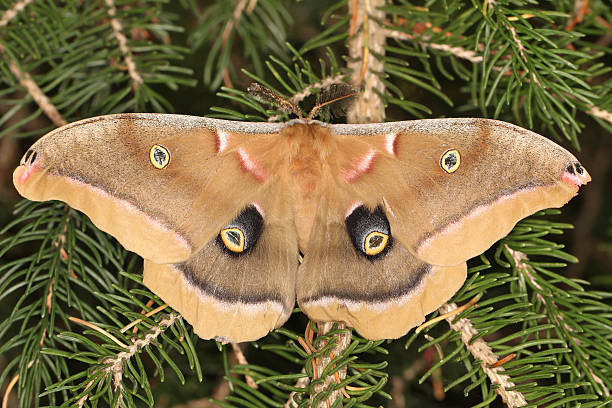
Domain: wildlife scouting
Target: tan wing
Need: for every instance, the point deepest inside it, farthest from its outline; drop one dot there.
(103, 166)
(496, 174)
(237, 296)
(381, 295)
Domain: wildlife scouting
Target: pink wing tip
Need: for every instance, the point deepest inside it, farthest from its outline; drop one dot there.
(23, 173)
(574, 179)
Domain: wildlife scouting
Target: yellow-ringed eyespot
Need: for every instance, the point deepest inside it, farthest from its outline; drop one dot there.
(450, 160)
(375, 243)
(242, 233)
(160, 156)
(233, 239)
(369, 231)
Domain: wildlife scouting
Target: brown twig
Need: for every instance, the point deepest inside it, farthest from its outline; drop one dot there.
(42, 100)
(504, 360)
(10, 387)
(98, 329)
(475, 58)
(8, 390)
(123, 46)
(81, 401)
(343, 341)
(600, 113)
(448, 315)
(11, 13)
(483, 352)
(242, 360)
(519, 259)
(148, 314)
(368, 38)
(144, 312)
(114, 365)
(581, 7)
(229, 26)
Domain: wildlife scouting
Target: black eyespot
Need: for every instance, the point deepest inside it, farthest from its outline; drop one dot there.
(450, 161)
(241, 235)
(570, 169)
(34, 155)
(159, 156)
(370, 232)
(27, 156)
(579, 168)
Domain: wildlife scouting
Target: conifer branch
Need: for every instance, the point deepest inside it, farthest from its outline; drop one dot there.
(366, 50)
(521, 263)
(123, 45)
(475, 58)
(42, 100)
(343, 340)
(483, 352)
(114, 365)
(229, 26)
(600, 113)
(242, 360)
(11, 13)
(517, 42)
(459, 52)
(302, 382)
(580, 9)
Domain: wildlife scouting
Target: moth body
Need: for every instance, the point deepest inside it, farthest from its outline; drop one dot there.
(386, 215)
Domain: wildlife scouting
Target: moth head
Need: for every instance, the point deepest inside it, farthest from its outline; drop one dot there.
(369, 231)
(334, 100)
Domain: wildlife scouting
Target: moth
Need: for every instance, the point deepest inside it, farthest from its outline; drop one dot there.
(385, 214)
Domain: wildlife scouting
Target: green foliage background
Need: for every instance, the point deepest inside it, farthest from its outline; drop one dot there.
(544, 65)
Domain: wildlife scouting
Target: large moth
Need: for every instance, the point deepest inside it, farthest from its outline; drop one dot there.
(385, 214)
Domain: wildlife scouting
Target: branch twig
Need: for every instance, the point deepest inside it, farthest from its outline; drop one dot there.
(368, 39)
(483, 352)
(475, 58)
(115, 364)
(344, 340)
(529, 273)
(242, 360)
(122, 40)
(42, 100)
(11, 13)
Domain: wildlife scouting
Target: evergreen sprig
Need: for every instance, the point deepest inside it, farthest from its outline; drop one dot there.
(74, 54)
(79, 328)
(256, 28)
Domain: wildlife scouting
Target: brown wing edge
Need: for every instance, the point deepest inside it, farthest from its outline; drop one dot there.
(394, 317)
(452, 244)
(134, 229)
(212, 317)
